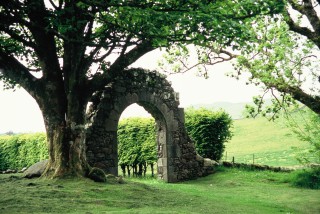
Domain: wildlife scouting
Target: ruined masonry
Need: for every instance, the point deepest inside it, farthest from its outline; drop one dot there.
(177, 158)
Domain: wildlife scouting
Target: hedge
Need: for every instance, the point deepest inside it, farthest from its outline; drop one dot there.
(137, 141)
(137, 145)
(22, 150)
(210, 130)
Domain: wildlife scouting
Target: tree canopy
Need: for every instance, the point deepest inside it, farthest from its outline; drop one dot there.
(63, 51)
(281, 56)
(284, 58)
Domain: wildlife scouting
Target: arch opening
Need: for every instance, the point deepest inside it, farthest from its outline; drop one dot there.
(142, 126)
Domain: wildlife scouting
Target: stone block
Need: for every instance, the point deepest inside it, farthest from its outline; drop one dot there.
(163, 162)
(165, 174)
(181, 117)
(209, 163)
(120, 89)
(111, 125)
(173, 151)
(36, 170)
(143, 96)
(122, 102)
(132, 98)
(100, 156)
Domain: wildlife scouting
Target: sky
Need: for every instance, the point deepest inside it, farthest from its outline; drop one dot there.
(20, 113)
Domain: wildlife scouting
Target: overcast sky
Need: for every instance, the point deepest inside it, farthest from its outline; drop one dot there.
(20, 113)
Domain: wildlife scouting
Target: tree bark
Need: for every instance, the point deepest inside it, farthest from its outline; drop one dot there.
(67, 156)
(128, 170)
(152, 170)
(64, 118)
(123, 168)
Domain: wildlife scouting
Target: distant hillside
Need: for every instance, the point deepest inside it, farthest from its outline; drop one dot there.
(264, 142)
(234, 109)
(259, 140)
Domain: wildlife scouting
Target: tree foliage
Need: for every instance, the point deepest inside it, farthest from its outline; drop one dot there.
(284, 57)
(210, 131)
(281, 57)
(284, 64)
(62, 52)
(305, 124)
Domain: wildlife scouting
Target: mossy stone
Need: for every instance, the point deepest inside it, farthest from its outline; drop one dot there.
(97, 175)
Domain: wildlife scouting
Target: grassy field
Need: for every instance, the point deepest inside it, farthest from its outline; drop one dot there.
(227, 191)
(269, 142)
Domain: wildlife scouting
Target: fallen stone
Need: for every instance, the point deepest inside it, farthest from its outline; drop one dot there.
(36, 169)
(97, 175)
(199, 158)
(314, 165)
(120, 180)
(23, 169)
(9, 171)
(209, 163)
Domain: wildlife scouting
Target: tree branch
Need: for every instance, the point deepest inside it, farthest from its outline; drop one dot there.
(19, 38)
(311, 101)
(298, 94)
(46, 47)
(99, 80)
(308, 10)
(11, 68)
(131, 56)
(54, 5)
(100, 59)
(311, 14)
(296, 6)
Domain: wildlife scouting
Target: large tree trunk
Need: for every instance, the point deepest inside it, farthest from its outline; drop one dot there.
(65, 125)
(66, 152)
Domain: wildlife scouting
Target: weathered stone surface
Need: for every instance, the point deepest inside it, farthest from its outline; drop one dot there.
(97, 175)
(199, 158)
(36, 169)
(178, 159)
(256, 167)
(9, 171)
(209, 163)
(23, 169)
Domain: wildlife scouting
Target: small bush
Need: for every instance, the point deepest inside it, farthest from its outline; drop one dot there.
(209, 130)
(309, 178)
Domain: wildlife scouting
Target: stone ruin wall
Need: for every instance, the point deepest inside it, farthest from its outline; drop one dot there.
(177, 158)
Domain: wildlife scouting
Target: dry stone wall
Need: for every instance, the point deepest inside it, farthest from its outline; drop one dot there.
(177, 158)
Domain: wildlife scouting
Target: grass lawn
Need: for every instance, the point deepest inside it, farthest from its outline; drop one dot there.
(271, 143)
(227, 191)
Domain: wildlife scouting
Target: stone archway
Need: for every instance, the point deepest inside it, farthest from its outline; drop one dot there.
(177, 158)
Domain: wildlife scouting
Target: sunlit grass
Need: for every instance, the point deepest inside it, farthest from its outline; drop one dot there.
(227, 191)
(263, 142)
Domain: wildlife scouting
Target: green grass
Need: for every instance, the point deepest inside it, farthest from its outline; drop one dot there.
(227, 191)
(271, 143)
